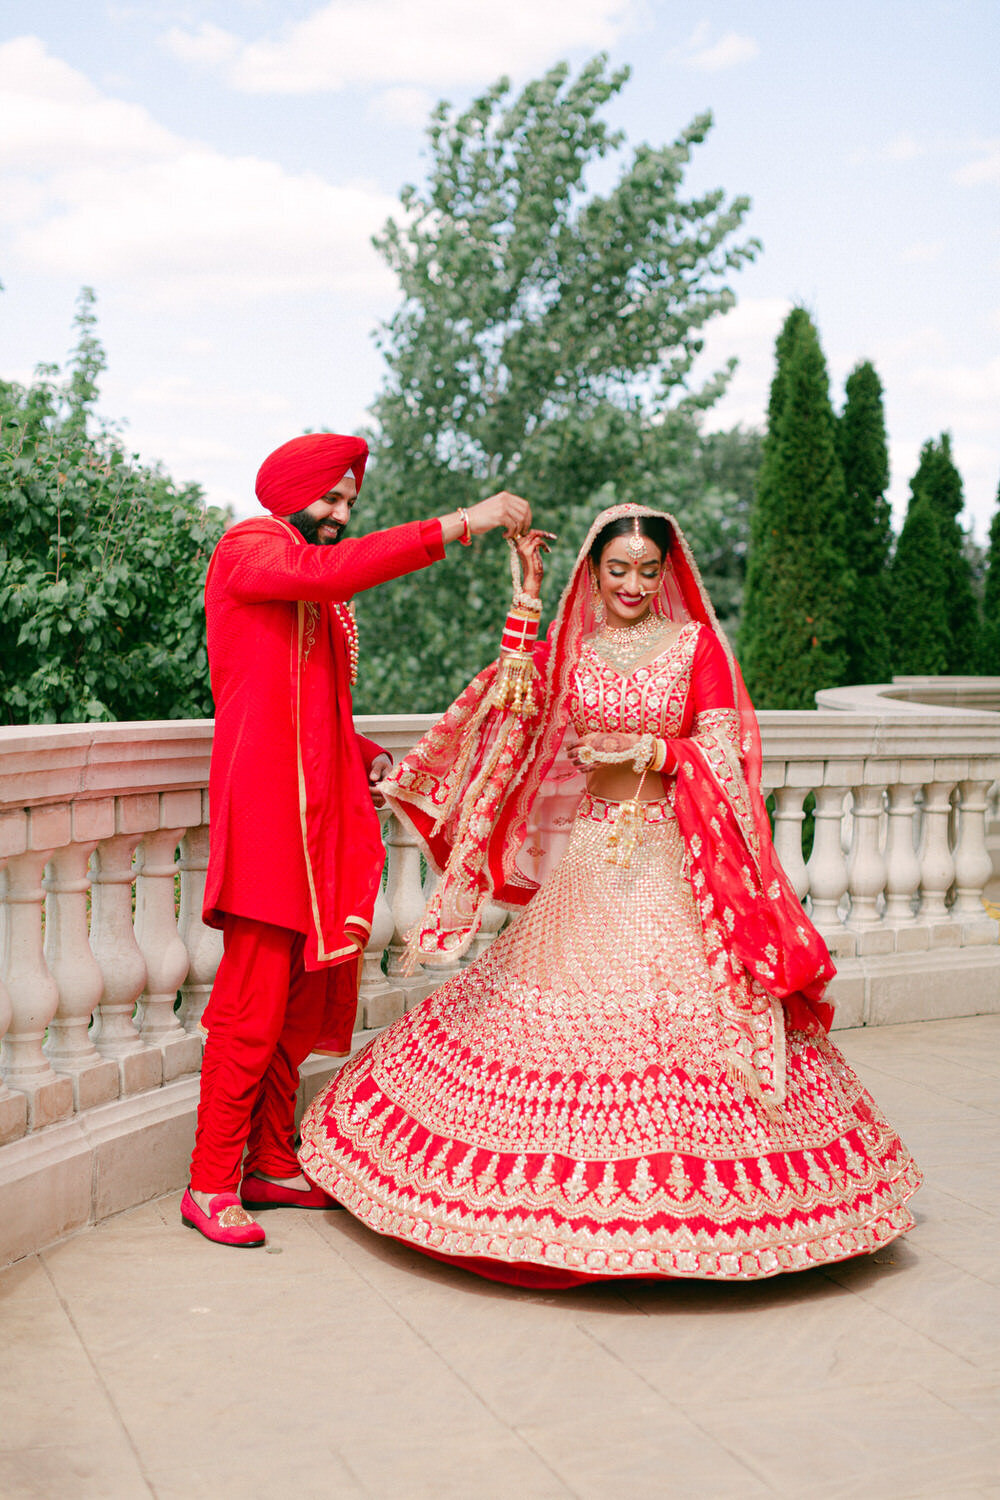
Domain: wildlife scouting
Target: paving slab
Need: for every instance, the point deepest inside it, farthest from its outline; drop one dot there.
(140, 1361)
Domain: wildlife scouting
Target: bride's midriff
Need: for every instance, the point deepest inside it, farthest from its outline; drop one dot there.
(621, 784)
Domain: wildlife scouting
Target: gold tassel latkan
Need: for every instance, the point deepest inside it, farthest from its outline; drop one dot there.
(514, 685)
(625, 833)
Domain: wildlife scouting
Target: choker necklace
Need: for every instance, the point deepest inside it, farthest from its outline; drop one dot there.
(623, 645)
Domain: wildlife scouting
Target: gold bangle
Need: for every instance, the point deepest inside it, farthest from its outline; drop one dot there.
(466, 537)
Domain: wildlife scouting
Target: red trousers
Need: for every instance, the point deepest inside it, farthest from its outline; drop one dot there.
(264, 1018)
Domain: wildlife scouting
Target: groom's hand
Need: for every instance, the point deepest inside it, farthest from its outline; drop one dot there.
(380, 766)
(506, 510)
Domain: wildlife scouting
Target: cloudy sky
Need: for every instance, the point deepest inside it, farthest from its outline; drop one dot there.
(215, 171)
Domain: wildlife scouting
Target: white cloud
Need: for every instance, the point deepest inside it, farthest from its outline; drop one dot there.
(730, 51)
(209, 45)
(929, 392)
(968, 396)
(181, 393)
(747, 333)
(979, 158)
(902, 147)
(96, 190)
(984, 168)
(925, 342)
(402, 106)
(923, 253)
(51, 116)
(414, 42)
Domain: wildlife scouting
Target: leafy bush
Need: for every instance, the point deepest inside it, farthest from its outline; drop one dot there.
(102, 561)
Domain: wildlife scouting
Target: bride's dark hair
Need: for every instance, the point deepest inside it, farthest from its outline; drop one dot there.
(655, 528)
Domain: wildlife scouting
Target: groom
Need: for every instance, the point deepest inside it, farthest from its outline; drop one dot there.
(296, 852)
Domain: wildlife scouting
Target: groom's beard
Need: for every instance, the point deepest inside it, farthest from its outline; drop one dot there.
(308, 527)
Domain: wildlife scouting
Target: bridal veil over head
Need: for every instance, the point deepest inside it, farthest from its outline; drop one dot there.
(491, 796)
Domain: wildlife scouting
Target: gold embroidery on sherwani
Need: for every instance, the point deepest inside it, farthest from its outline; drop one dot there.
(303, 641)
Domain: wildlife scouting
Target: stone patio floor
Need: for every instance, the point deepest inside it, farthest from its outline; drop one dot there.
(138, 1360)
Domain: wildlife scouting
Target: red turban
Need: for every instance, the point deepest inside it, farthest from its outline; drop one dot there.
(299, 472)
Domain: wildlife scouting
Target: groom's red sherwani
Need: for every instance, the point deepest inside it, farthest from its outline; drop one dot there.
(296, 852)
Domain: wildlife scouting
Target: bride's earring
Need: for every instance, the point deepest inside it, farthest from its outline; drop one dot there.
(600, 613)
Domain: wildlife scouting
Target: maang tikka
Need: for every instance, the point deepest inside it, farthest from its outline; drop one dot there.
(636, 544)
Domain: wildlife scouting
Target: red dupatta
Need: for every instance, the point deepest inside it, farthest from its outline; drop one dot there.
(491, 797)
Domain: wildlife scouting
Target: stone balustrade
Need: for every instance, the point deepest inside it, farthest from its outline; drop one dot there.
(106, 965)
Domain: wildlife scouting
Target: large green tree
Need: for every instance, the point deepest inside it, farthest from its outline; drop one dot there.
(799, 587)
(934, 612)
(864, 458)
(544, 344)
(102, 560)
(919, 621)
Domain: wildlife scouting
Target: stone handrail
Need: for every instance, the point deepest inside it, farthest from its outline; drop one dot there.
(104, 849)
(916, 694)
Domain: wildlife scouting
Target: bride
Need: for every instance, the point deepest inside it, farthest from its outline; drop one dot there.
(635, 1078)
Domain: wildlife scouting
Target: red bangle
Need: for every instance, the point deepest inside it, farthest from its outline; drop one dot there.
(466, 537)
(519, 634)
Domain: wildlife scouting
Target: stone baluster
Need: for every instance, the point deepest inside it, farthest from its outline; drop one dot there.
(71, 962)
(902, 879)
(112, 939)
(161, 945)
(13, 1105)
(442, 971)
(32, 990)
(379, 1001)
(827, 868)
(203, 944)
(788, 819)
(866, 867)
(973, 865)
(937, 864)
(405, 895)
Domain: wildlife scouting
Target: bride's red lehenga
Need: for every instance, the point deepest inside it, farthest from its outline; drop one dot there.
(635, 1078)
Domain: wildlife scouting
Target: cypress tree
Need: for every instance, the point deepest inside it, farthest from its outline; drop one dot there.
(935, 620)
(989, 654)
(798, 581)
(920, 635)
(864, 458)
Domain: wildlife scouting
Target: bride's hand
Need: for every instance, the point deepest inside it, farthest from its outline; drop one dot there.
(600, 739)
(529, 549)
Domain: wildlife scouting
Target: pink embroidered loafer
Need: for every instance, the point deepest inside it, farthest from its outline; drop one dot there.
(226, 1223)
(256, 1193)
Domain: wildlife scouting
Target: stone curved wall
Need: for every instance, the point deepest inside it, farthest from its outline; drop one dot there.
(106, 966)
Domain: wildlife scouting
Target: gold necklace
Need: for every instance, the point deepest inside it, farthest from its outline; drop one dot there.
(624, 645)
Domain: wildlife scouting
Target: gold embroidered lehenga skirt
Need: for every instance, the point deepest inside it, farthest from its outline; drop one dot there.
(562, 1108)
